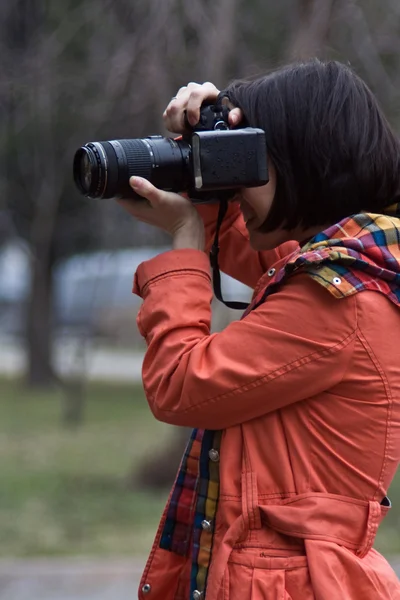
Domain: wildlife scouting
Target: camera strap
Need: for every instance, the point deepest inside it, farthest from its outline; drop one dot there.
(223, 207)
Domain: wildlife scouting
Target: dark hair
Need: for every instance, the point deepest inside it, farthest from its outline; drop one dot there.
(334, 152)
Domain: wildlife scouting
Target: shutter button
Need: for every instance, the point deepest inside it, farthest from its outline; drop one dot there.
(213, 455)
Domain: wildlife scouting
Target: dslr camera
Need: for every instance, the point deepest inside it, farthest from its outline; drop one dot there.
(209, 163)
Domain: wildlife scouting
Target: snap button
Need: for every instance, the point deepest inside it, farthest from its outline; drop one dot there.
(213, 455)
(197, 595)
(271, 272)
(146, 588)
(337, 280)
(206, 525)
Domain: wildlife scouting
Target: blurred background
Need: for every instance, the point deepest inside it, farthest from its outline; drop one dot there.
(85, 469)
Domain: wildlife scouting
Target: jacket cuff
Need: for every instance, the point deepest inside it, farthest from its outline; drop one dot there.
(167, 264)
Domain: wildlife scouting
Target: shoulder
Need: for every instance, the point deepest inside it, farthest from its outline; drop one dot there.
(307, 309)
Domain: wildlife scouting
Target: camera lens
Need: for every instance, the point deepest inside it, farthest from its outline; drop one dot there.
(103, 169)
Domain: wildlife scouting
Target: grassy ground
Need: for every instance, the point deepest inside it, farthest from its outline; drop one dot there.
(64, 492)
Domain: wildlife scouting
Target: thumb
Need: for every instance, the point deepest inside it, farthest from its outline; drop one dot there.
(147, 190)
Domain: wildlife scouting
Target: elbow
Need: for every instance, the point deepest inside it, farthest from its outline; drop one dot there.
(181, 416)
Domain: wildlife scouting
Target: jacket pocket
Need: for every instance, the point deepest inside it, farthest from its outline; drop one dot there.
(253, 575)
(268, 585)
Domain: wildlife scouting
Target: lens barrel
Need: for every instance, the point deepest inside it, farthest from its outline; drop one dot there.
(103, 169)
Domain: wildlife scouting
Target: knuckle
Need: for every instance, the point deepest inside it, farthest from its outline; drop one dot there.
(197, 94)
(208, 84)
(171, 109)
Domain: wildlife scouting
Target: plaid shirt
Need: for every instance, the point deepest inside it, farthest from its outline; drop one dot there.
(358, 253)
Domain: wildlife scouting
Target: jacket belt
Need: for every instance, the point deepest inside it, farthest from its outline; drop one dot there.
(348, 522)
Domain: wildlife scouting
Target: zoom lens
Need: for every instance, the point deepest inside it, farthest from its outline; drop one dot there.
(103, 169)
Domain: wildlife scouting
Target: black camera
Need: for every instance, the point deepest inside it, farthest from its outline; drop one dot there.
(209, 163)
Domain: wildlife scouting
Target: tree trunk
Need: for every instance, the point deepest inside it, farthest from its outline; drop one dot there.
(39, 321)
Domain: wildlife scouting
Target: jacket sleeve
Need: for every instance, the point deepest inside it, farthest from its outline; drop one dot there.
(236, 257)
(286, 350)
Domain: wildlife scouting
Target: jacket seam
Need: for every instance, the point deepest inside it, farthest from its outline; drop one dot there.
(379, 370)
(283, 369)
(157, 279)
(311, 416)
(272, 496)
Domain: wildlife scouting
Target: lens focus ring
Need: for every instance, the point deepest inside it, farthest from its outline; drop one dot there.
(139, 158)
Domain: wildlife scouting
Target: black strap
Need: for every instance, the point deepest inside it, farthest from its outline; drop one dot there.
(223, 207)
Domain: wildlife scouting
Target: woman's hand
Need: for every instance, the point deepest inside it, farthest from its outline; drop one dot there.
(190, 98)
(173, 213)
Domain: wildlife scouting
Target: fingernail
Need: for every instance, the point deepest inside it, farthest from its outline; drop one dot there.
(234, 119)
(135, 182)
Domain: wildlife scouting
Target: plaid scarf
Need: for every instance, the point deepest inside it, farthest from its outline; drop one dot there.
(361, 252)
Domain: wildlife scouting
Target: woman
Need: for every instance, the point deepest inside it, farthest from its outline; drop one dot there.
(297, 405)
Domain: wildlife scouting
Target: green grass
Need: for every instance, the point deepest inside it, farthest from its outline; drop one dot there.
(64, 492)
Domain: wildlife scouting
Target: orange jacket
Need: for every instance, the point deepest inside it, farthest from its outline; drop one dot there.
(306, 390)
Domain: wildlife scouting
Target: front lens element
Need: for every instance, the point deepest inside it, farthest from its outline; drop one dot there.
(86, 172)
(90, 170)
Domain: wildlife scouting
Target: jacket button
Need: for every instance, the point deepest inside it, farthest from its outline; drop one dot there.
(197, 595)
(213, 455)
(271, 272)
(206, 525)
(146, 588)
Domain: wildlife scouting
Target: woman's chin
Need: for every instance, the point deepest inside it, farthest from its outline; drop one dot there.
(265, 241)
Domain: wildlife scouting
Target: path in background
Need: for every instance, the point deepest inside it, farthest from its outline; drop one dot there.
(97, 363)
(75, 579)
(70, 579)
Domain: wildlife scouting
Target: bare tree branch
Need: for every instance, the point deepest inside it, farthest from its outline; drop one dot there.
(366, 50)
(312, 28)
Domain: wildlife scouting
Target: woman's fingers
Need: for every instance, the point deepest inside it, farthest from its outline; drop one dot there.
(188, 102)
(189, 98)
(166, 210)
(199, 95)
(174, 114)
(235, 117)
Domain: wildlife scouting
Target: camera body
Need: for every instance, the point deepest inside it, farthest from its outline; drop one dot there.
(209, 163)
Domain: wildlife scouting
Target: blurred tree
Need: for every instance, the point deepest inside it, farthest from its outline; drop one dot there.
(37, 147)
(311, 24)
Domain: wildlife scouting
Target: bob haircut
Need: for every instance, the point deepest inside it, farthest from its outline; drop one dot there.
(334, 152)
